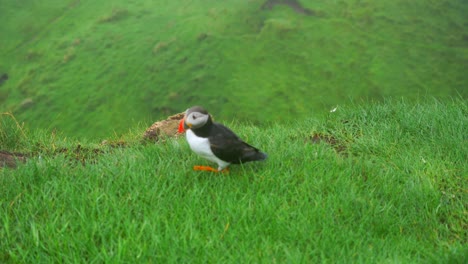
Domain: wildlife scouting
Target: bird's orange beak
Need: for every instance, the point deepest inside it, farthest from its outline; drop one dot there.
(181, 126)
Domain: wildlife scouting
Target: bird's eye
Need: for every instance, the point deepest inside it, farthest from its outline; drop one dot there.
(194, 117)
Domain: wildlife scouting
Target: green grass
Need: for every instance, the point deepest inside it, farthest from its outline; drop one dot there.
(383, 183)
(92, 68)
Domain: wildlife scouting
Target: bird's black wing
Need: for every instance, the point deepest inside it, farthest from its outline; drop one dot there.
(229, 147)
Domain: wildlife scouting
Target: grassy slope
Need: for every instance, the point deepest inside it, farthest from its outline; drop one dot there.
(391, 188)
(90, 68)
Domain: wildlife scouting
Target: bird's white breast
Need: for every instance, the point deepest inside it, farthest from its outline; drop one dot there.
(201, 146)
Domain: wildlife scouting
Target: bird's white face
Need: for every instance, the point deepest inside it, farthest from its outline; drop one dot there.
(196, 119)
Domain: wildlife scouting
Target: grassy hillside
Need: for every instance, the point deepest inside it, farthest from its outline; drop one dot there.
(91, 68)
(381, 183)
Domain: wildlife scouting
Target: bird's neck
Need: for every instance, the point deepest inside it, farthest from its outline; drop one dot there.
(204, 131)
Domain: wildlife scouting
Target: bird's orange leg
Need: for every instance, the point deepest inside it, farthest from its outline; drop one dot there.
(208, 168)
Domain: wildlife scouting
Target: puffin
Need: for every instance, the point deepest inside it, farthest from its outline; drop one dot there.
(215, 142)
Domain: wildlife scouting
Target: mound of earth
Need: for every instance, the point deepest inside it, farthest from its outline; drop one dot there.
(164, 129)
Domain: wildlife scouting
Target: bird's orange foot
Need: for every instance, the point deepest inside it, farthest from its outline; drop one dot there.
(204, 168)
(208, 168)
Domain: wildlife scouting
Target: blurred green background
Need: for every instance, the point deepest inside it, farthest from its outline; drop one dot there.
(96, 68)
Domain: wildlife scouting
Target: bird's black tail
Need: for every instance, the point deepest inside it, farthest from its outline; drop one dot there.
(253, 154)
(261, 156)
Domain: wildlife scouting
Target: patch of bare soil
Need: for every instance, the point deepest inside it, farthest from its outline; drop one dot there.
(10, 159)
(294, 4)
(158, 132)
(3, 78)
(317, 138)
(81, 154)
